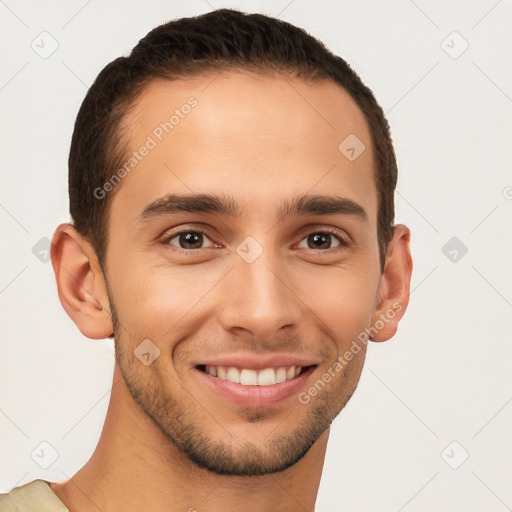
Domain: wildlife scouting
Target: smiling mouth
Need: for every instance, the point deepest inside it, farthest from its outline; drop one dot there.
(249, 377)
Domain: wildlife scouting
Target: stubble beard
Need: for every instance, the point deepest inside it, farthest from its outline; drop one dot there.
(233, 456)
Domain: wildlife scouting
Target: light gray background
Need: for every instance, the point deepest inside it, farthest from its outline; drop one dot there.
(444, 377)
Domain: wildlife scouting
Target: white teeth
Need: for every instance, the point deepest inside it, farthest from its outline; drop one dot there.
(281, 375)
(233, 375)
(267, 377)
(249, 377)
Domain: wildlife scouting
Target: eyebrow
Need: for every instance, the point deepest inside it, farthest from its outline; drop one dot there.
(228, 206)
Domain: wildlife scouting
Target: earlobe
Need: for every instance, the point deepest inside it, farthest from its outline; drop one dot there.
(394, 287)
(80, 282)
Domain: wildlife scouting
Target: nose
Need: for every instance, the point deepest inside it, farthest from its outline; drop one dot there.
(259, 300)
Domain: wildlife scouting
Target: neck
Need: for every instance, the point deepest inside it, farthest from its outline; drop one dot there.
(135, 467)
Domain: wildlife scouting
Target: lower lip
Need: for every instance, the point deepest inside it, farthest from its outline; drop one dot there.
(257, 396)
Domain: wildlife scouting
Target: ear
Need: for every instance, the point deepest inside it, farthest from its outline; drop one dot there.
(80, 282)
(394, 286)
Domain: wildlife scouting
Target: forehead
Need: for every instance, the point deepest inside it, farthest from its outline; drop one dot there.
(254, 136)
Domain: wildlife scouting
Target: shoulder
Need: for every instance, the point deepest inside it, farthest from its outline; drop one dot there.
(36, 496)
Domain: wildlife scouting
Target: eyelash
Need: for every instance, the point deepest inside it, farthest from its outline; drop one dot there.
(342, 239)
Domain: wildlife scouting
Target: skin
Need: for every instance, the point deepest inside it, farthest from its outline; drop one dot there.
(169, 439)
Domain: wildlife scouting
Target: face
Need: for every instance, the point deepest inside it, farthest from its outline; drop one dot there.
(243, 250)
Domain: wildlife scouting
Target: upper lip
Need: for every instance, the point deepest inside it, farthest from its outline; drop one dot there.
(259, 362)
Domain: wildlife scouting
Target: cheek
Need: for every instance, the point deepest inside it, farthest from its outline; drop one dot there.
(151, 301)
(343, 300)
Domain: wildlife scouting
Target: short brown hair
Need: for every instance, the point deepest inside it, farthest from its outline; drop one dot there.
(219, 40)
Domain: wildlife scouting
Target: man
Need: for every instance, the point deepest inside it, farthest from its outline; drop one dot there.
(231, 187)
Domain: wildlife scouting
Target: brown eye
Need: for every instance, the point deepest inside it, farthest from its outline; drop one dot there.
(322, 240)
(188, 240)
